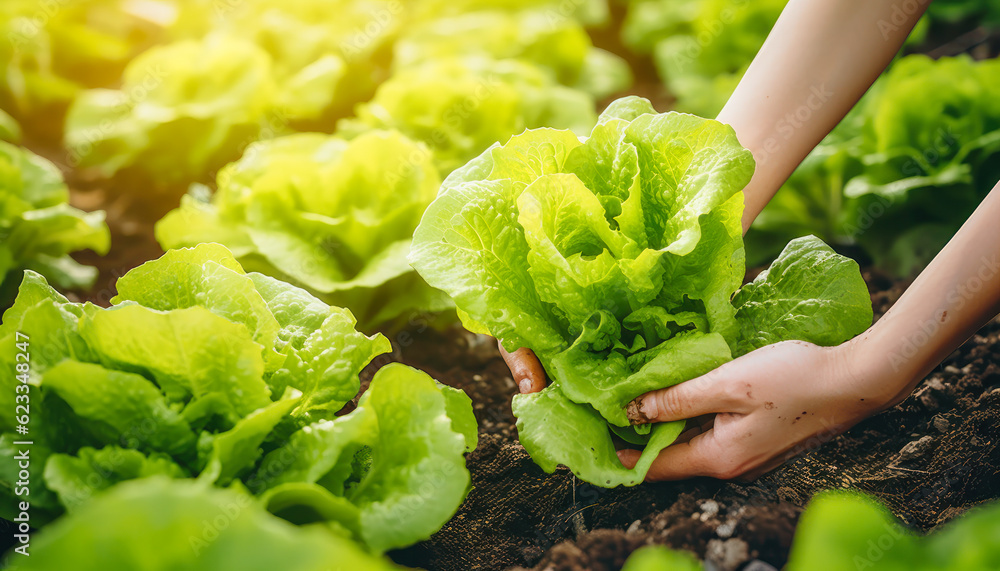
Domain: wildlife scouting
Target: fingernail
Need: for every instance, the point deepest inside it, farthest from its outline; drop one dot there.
(635, 413)
(524, 386)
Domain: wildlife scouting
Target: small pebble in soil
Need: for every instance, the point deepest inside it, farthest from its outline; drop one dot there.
(726, 555)
(916, 449)
(725, 531)
(709, 508)
(941, 424)
(953, 370)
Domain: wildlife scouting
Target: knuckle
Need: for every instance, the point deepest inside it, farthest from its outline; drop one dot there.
(670, 403)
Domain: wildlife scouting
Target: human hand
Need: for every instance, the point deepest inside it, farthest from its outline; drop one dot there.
(525, 368)
(760, 410)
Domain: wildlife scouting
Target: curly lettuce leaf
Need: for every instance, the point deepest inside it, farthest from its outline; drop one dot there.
(196, 362)
(75, 479)
(415, 434)
(809, 293)
(559, 45)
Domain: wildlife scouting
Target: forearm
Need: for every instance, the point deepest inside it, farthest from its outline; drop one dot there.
(819, 59)
(957, 294)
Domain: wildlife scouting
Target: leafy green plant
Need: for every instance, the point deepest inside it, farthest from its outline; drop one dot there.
(10, 131)
(461, 106)
(880, 178)
(701, 48)
(848, 530)
(333, 216)
(538, 36)
(52, 51)
(616, 259)
(37, 226)
(159, 524)
(199, 369)
(658, 558)
(183, 110)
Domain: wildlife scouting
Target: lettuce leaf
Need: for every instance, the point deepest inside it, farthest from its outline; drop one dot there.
(293, 208)
(200, 370)
(558, 45)
(162, 524)
(414, 476)
(616, 259)
(53, 52)
(845, 528)
(37, 226)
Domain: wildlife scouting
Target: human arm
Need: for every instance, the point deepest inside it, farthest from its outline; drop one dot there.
(819, 59)
(764, 411)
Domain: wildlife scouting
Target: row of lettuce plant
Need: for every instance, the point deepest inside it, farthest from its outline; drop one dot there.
(458, 76)
(199, 371)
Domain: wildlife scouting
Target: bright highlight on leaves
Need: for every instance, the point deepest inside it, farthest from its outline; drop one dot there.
(616, 259)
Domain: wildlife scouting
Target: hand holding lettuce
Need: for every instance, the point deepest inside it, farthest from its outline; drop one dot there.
(616, 259)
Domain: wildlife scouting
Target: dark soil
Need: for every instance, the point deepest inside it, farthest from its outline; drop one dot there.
(929, 458)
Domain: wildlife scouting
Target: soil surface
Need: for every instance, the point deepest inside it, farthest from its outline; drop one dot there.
(930, 458)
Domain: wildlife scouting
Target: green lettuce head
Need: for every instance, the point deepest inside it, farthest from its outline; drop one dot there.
(461, 106)
(38, 228)
(616, 259)
(200, 370)
(329, 215)
(558, 45)
(701, 48)
(183, 110)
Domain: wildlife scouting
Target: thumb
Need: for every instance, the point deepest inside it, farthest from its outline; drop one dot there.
(525, 368)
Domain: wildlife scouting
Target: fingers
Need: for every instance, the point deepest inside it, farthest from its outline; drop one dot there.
(525, 368)
(700, 456)
(707, 394)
